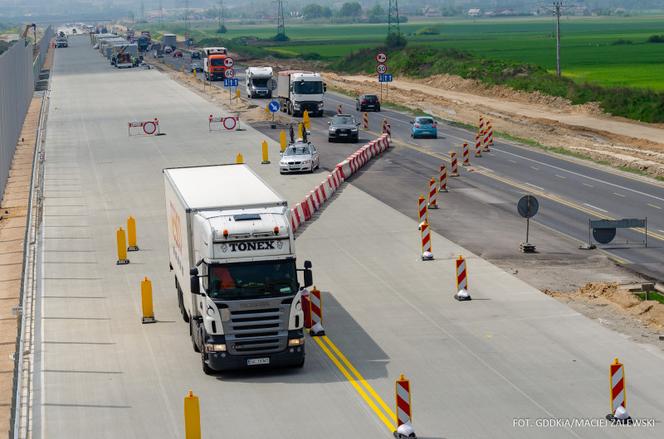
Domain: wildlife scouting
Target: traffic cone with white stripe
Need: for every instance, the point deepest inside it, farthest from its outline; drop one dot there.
(461, 280)
(316, 303)
(433, 194)
(618, 392)
(403, 409)
(425, 231)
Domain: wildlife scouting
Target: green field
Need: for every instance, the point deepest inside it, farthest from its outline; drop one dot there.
(589, 51)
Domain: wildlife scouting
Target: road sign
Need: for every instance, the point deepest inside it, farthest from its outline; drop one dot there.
(229, 73)
(274, 106)
(381, 58)
(231, 82)
(385, 77)
(381, 68)
(228, 62)
(528, 206)
(604, 236)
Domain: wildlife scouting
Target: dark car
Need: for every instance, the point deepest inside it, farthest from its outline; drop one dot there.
(195, 55)
(367, 102)
(343, 127)
(177, 54)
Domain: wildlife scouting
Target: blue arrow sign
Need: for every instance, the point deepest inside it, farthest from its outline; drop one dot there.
(231, 82)
(385, 77)
(274, 106)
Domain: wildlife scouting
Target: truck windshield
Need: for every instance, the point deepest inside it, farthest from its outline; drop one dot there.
(217, 62)
(308, 87)
(259, 82)
(251, 280)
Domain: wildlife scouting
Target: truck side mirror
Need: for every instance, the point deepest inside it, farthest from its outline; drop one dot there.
(324, 86)
(307, 264)
(308, 278)
(195, 285)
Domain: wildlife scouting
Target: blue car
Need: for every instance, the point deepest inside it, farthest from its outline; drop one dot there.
(424, 126)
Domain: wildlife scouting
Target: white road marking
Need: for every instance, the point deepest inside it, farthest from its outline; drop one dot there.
(654, 206)
(619, 195)
(536, 187)
(595, 207)
(511, 161)
(660, 230)
(598, 180)
(589, 185)
(561, 176)
(535, 168)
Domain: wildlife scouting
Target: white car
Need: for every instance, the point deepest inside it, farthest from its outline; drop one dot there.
(299, 157)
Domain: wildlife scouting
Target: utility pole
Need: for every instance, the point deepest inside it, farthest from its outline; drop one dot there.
(393, 18)
(161, 13)
(557, 5)
(221, 13)
(186, 15)
(142, 11)
(281, 24)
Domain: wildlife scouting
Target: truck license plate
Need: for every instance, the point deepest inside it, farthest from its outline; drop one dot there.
(257, 361)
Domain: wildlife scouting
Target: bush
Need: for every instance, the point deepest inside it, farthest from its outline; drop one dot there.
(395, 41)
(311, 56)
(656, 39)
(280, 37)
(432, 30)
(222, 29)
(622, 42)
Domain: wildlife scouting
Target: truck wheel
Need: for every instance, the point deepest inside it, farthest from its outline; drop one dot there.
(193, 339)
(290, 110)
(207, 370)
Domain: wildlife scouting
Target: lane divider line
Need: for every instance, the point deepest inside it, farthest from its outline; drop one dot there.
(385, 418)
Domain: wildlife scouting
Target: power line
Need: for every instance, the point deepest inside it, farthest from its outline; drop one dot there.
(393, 18)
(557, 5)
(281, 24)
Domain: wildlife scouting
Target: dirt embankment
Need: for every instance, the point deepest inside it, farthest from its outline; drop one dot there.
(550, 121)
(618, 308)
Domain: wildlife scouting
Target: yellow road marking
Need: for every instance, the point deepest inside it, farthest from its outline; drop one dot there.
(356, 383)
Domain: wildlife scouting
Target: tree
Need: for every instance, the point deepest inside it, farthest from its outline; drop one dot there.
(312, 11)
(395, 41)
(377, 14)
(349, 9)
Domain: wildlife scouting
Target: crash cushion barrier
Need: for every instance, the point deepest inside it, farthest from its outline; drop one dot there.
(315, 199)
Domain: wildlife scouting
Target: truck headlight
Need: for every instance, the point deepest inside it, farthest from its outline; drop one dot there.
(295, 342)
(296, 106)
(320, 105)
(353, 129)
(215, 347)
(332, 129)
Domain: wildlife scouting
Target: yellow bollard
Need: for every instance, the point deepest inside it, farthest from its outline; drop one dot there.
(122, 247)
(300, 128)
(239, 159)
(267, 109)
(192, 417)
(146, 301)
(306, 120)
(282, 140)
(266, 160)
(131, 234)
(237, 93)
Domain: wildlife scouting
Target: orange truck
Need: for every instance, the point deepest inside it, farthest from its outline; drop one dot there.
(213, 63)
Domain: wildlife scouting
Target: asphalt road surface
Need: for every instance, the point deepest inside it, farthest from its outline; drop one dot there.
(478, 369)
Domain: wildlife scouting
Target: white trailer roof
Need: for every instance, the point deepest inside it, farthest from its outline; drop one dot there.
(221, 187)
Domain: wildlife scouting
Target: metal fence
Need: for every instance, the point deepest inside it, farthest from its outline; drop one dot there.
(19, 72)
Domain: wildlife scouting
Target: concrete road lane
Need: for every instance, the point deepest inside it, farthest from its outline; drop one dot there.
(475, 367)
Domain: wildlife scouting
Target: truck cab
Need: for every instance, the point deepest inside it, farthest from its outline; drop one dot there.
(257, 81)
(299, 91)
(233, 254)
(213, 63)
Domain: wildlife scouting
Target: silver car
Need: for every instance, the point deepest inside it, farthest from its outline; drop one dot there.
(299, 157)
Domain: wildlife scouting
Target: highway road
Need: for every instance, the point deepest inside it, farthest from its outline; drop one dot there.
(475, 367)
(571, 191)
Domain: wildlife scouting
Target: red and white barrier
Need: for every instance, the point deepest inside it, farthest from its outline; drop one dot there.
(433, 194)
(422, 211)
(403, 409)
(425, 232)
(143, 128)
(454, 164)
(465, 154)
(223, 123)
(617, 387)
(442, 178)
(315, 199)
(488, 137)
(461, 280)
(365, 120)
(478, 145)
(316, 303)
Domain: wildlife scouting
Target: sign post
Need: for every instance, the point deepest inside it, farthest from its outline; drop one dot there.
(527, 208)
(229, 73)
(273, 106)
(381, 69)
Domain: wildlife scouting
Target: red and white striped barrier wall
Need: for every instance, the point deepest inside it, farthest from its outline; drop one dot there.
(315, 199)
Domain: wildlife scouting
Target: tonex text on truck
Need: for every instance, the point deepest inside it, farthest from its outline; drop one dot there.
(233, 254)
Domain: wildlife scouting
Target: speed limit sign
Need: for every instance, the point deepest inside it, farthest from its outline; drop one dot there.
(228, 62)
(229, 73)
(381, 68)
(381, 58)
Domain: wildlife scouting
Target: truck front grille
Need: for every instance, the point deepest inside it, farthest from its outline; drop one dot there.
(256, 331)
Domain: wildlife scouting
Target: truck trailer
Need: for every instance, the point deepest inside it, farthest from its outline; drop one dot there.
(299, 91)
(257, 82)
(232, 250)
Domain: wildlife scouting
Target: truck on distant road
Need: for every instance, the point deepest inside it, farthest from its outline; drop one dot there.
(232, 249)
(300, 90)
(213, 63)
(257, 81)
(144, 41)
(169, 40)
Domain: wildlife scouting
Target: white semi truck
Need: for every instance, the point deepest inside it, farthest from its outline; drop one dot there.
(233, 253)
(257, 81)
(299, 90)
